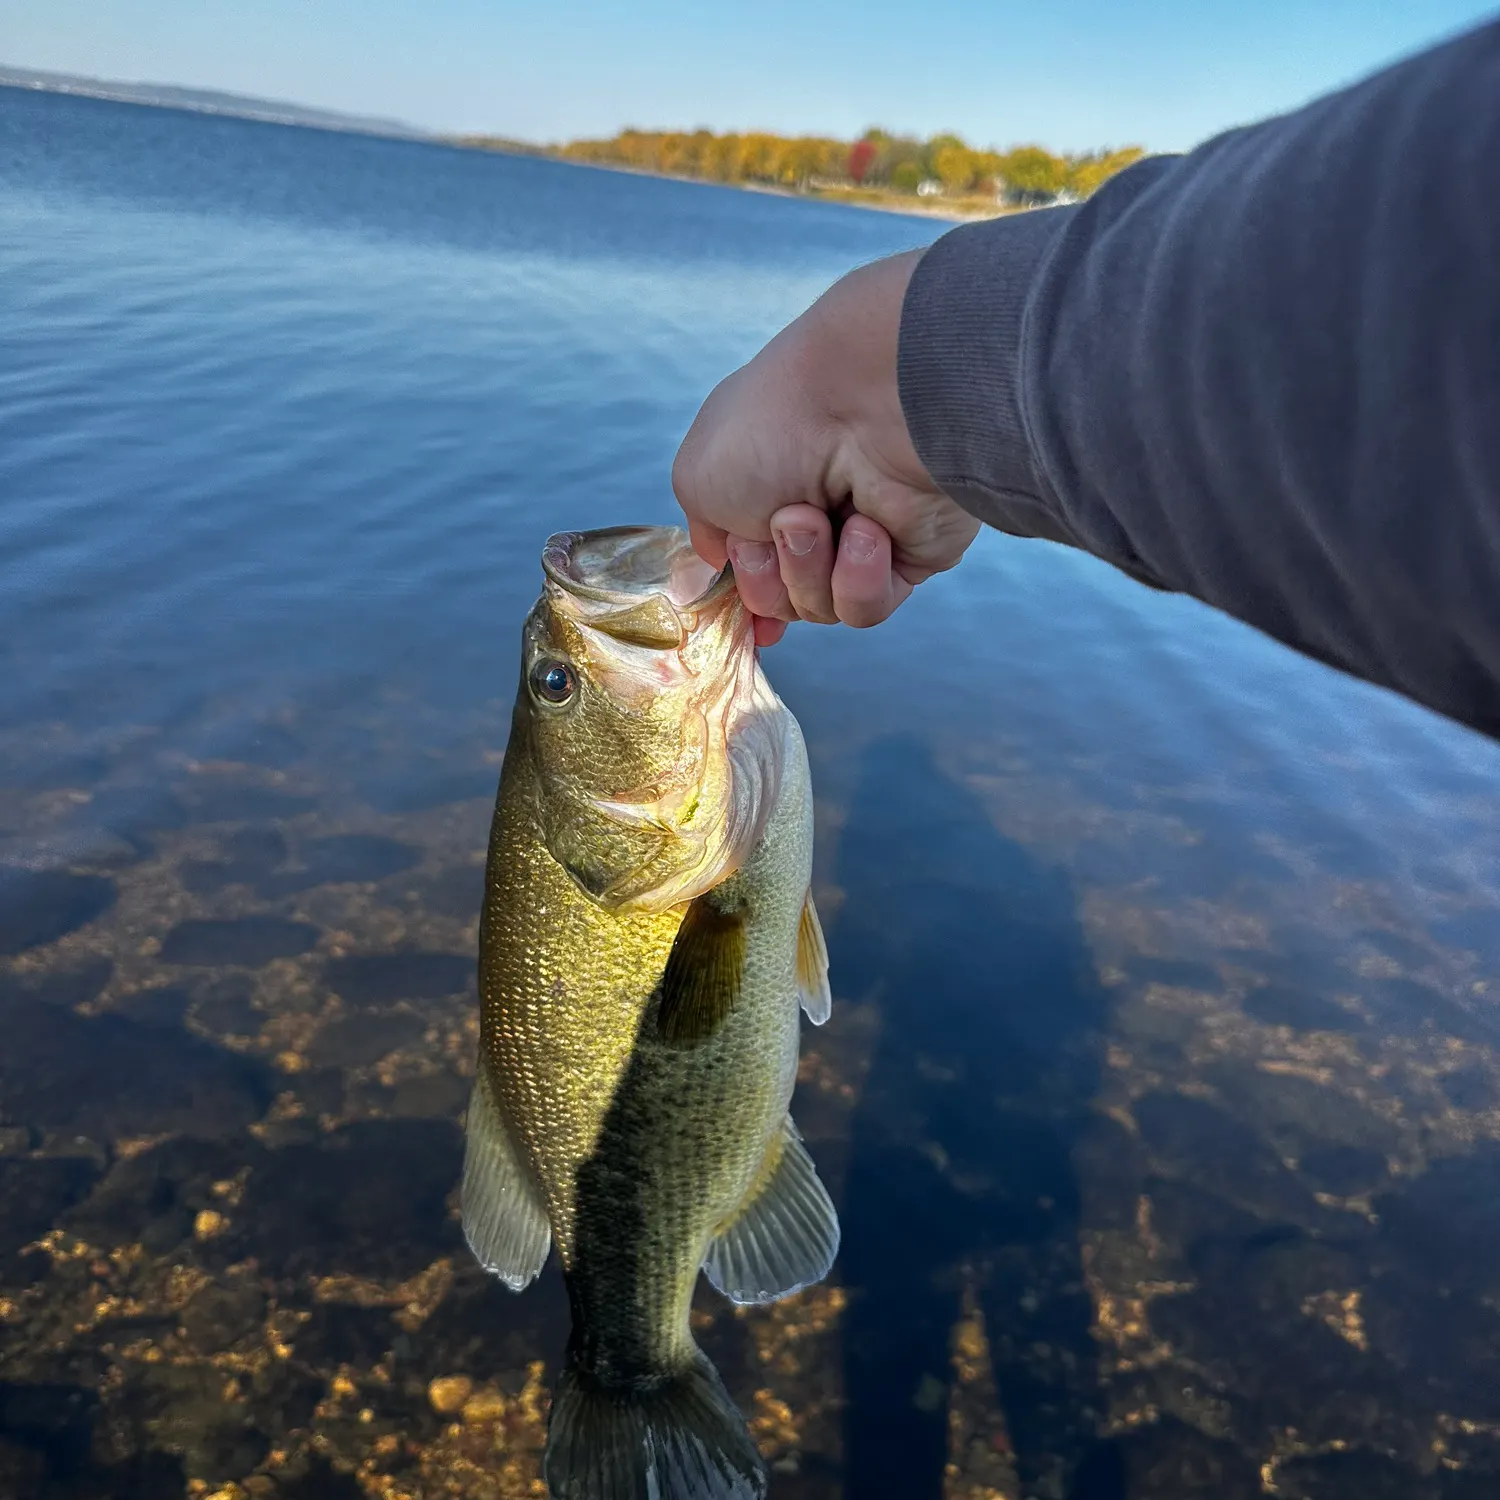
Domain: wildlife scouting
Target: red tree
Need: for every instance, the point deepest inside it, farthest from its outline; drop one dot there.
(861, 158)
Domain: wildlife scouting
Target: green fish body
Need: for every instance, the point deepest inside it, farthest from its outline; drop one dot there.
(648, 936)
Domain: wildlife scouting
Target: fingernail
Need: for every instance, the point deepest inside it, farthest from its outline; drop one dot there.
(753, 557)
(859, 546)
(799, 543)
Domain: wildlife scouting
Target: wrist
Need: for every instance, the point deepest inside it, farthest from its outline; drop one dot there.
(960, 359)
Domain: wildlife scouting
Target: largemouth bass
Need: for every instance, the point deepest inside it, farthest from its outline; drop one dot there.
(647, 937)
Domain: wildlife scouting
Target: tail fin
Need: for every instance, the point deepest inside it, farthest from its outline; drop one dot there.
(684, 1440)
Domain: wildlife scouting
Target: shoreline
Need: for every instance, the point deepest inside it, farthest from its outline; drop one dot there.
(851, 197)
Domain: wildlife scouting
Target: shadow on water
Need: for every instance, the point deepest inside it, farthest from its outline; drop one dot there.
(961, 1158)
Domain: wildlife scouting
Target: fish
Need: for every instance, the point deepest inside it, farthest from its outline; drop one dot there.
(647, 941)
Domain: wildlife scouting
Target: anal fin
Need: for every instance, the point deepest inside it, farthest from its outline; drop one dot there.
(505, 1220)
(786, 1233)
(812, 965)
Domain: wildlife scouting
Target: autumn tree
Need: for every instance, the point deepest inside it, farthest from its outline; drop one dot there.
(901, 161)
(1033, 175)
(1089, 172)
(1026, 174)
(955, 166)
(987, 170)
(861, 158)
(726, 159)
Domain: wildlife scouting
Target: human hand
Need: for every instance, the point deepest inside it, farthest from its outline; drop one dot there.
(799, 468)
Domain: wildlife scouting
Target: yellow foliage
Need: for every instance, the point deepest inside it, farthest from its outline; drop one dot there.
(1025, 174)
(1034, 172)
(956, 167)
(1091, 172)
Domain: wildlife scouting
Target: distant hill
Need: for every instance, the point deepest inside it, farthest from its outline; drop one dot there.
(204, 101)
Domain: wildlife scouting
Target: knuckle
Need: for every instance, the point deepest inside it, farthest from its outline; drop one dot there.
(804, 576)
(771, 602)
(861, 614)
(814, 605)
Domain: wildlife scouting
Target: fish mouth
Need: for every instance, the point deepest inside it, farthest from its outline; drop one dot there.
(642, 584)
(674, 623)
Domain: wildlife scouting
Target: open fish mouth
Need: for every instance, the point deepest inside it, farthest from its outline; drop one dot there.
(643, 584)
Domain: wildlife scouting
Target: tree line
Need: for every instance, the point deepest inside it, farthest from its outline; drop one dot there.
(943, 164)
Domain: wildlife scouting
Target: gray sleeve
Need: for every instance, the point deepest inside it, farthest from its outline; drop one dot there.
(1266, 374)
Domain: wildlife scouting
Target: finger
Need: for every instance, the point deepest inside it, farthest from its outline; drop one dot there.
(708, 542)
(768, 632)
(865, 589)
(758, 579)
(804, 553)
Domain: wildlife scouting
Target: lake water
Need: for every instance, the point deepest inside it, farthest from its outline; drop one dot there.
(1162, 1094)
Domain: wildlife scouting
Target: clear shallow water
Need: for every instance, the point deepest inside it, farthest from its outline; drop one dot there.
(1161, 1098)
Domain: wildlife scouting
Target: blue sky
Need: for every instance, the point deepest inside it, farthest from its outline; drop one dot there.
(1068, 73)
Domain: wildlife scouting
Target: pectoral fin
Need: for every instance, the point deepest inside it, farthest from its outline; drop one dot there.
(505, 1221)
(786, 1233)
(701, 984)
(812, 965)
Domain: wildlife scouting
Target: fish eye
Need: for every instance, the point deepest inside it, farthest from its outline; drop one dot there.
(553, 681)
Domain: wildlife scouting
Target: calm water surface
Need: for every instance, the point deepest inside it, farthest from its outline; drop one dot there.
(1161, 1100)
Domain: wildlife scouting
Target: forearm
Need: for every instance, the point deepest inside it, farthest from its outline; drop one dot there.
(1266, 374)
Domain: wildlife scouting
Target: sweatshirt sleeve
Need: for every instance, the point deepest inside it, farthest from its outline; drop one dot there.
(1266, 374)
